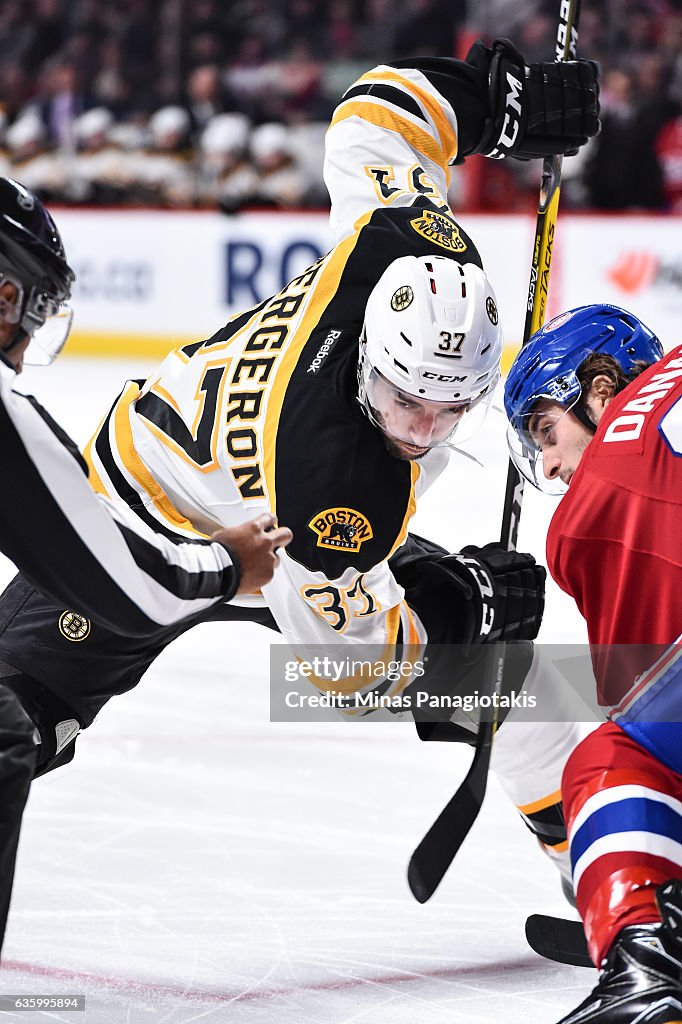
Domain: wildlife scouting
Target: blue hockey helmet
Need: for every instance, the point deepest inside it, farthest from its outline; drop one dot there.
(547, 367)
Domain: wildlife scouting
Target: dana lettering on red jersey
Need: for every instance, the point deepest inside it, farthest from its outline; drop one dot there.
(628, 425)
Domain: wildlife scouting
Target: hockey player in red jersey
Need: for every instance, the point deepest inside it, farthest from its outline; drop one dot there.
(595, 408)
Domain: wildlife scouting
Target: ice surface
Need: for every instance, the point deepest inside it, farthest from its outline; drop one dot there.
(197, 863)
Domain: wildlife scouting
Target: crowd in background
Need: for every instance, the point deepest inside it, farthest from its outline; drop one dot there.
(207, 103)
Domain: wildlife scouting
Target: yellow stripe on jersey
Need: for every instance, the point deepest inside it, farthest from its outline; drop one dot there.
(382, 117)
(413, 640)
(392, 624)
(167, 397)
(125, 449)
(448, 138)
(323, 292)
(370, 673)
(93, 476)
(411, 508)
(559, 848)
(542, 804)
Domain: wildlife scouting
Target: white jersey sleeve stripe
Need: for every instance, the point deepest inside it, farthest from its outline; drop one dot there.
(68, 541)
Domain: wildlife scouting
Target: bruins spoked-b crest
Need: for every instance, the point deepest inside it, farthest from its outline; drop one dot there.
(402, 298)
(491, 310)
(340, 529)
(73, 626)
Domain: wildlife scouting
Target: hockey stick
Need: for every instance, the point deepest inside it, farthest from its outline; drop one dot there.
(557, 939)
(435, 853)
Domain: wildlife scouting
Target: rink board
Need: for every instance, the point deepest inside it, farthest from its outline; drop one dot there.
(151, 280)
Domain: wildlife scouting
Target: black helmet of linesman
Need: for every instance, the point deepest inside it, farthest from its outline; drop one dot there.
(35, 279)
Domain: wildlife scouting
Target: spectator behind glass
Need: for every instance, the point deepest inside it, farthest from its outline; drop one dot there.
(33, 160)
(250, 77)
(163, 174)
(14, 88)
(112, 82)
(16, 31)
(429, 27)
(205, 96)
(226, 178)
(622, 173)
(669, 152)
(60, 101)
(101, 169)
(50, 25)
(298, 96)
(281, 181)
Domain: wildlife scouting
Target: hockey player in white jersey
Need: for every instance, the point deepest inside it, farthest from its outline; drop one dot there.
(333, 404)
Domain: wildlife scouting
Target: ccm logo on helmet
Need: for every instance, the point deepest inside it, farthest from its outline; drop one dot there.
(444, 378)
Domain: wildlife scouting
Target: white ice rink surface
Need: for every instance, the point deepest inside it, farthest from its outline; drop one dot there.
(197, 863)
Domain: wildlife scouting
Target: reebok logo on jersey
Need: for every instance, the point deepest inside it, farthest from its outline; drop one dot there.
(340, 529)
(323, 351)
(73, 626)
(439, 228)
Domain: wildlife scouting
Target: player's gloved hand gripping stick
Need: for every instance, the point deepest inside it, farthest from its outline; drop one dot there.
(436, 851)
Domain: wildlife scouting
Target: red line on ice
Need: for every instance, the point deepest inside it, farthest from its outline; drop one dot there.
(147, 988)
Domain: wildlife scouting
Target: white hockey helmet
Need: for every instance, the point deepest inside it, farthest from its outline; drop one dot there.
(169, 122)
(432, 333)
(225, 133)
(269, 141)
(26, 130)
(96, 121)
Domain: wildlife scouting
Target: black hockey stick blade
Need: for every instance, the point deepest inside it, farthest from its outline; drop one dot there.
(557, 939)
(435, 853)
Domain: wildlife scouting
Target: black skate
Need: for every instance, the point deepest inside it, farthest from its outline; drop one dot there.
(640, 981)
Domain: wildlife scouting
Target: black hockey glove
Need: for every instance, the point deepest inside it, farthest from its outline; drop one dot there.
(535, 109)
(507, 588)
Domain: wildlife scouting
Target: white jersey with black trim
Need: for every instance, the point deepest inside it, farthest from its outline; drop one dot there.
(264, 415)
(390, 142)
(85, 550)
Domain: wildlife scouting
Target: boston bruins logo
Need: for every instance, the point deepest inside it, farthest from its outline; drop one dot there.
(340, 529)
(74, 626)
(439, 228)
(402, 298)
(491, 310)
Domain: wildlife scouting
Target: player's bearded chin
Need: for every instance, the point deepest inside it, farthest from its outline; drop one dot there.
(395, 447)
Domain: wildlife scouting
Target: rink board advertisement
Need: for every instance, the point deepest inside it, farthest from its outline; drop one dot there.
(148, 280)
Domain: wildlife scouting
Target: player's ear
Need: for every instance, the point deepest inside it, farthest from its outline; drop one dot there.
(602, 390)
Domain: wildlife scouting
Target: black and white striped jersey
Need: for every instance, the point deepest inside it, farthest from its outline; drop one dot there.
(94, 556)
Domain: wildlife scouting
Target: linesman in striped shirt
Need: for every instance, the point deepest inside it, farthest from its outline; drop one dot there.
(78, 547)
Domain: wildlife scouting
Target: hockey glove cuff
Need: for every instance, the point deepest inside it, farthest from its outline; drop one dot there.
(536, 110)
(508, 591)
